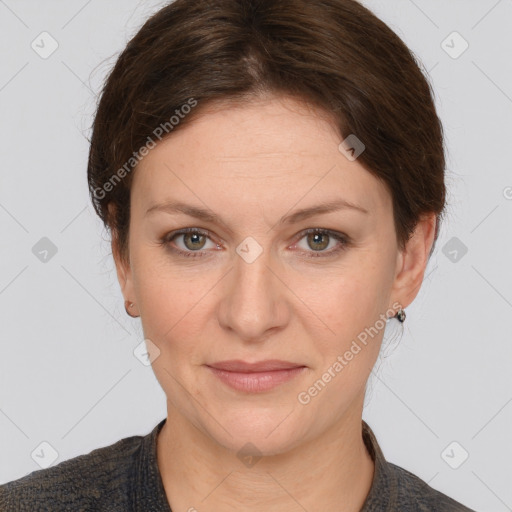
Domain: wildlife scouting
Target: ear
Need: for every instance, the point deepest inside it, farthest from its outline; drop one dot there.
(123, 270)
(413, 260)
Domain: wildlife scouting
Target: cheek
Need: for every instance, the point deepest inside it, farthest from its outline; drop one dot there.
(354, 311)
(173, 302)
(353, 299)
(175, 320)
(353, 305)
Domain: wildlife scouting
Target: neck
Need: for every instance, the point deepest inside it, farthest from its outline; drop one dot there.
(330, 473)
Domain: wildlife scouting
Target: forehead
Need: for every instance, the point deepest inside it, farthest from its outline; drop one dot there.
(269, 150)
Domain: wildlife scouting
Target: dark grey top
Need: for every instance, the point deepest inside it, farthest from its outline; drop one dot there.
(125, 477)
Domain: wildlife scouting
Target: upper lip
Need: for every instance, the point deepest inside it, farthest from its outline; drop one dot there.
(236, 365)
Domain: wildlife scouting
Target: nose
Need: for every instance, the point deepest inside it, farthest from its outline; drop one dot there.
(254, 302)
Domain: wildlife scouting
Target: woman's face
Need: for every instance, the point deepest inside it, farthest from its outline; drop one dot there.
(252, 285)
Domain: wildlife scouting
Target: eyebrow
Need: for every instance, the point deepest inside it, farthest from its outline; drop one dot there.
(175, 207)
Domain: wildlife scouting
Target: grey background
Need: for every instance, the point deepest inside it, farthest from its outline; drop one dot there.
(68, 375)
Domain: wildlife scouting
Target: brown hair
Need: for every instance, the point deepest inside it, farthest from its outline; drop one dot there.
(336, 55)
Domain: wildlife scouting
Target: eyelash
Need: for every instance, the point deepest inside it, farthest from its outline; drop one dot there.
(343, 239)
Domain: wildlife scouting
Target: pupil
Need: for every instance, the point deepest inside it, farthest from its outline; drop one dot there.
(195, 239)
(317, 240)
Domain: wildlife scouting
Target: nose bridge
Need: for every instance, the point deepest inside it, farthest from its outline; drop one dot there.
(252, 266)
(251, 304)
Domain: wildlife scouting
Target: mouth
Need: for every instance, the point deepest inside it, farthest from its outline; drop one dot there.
(255, 377)
(269, 365)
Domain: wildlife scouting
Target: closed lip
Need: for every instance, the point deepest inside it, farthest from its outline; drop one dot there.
(236, 365)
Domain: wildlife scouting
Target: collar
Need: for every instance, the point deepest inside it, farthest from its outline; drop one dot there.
(383, 492)
(148, 491)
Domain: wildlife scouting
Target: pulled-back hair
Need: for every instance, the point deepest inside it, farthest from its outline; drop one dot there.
(335, 55)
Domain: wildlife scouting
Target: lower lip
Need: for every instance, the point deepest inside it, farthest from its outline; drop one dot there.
(258, 381)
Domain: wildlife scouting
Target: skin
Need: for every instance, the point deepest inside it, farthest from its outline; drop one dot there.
(251, 165)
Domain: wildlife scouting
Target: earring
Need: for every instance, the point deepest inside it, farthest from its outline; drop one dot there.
(128, 305)
(400, 315)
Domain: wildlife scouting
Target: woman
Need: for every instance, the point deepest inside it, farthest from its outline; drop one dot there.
(272, 173)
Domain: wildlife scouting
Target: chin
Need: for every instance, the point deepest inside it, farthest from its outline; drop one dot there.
(263, 435)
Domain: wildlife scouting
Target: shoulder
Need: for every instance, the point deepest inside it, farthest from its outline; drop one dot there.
(79, 484)
(412, 493)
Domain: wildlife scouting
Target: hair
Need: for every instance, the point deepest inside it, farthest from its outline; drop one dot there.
(334, 55)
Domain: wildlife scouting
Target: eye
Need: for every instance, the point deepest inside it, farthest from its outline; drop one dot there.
(193, 242)
(318, 239)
